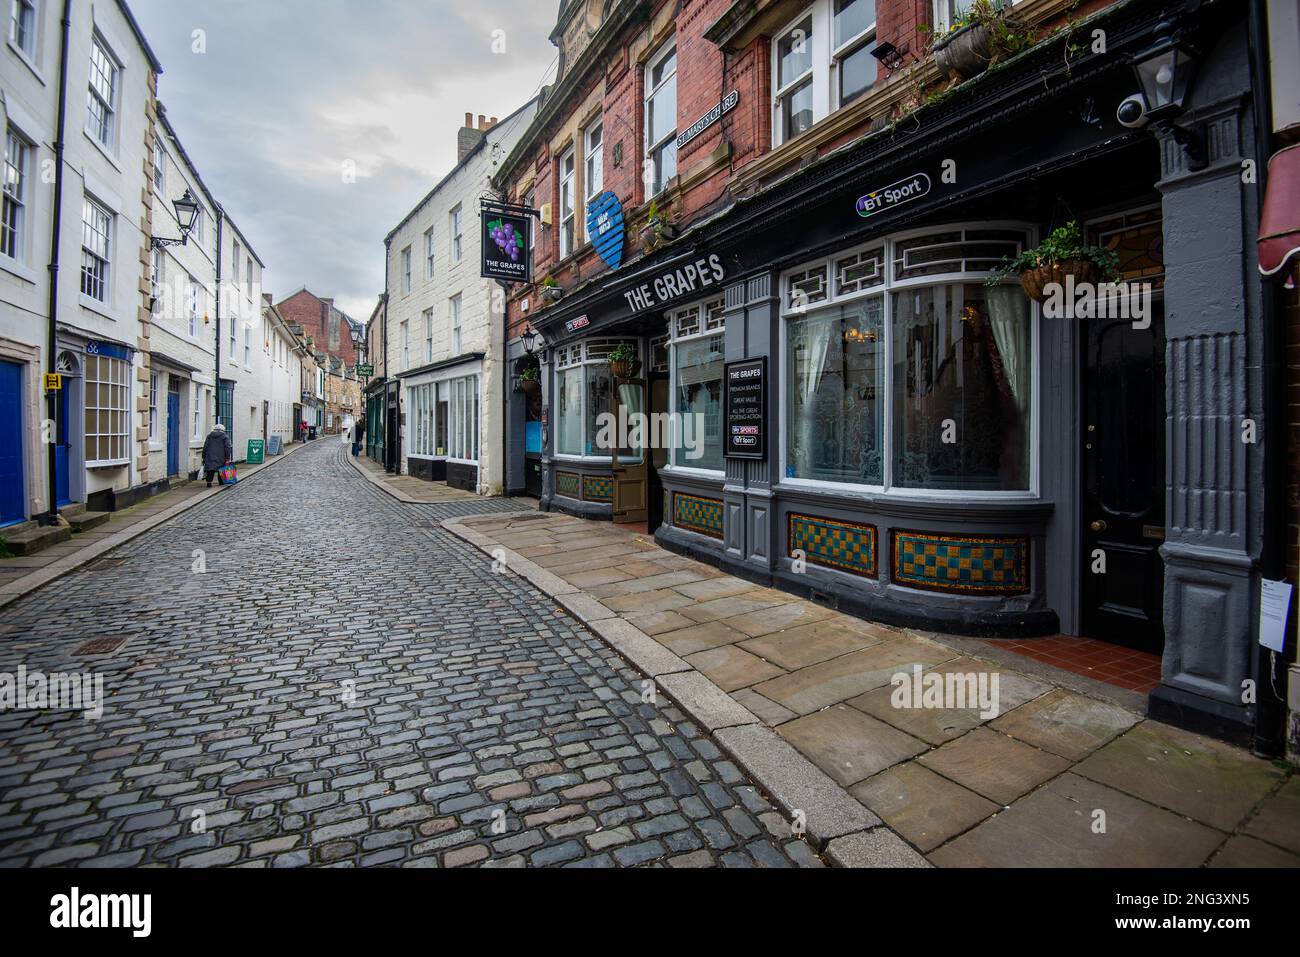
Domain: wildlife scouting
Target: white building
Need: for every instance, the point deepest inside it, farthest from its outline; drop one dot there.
(243, 392)
(444, 339)
(280, 374)
(99, 424)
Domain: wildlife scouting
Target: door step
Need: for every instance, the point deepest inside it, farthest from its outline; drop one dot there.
(87, 520)
(29, 541)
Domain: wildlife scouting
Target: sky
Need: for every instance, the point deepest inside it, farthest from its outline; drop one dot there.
(275, 99)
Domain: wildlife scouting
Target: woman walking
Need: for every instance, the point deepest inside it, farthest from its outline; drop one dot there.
(217, 453)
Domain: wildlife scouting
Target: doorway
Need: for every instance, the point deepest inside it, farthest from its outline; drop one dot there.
(1123, 501)
(630, 462)
(173, 428)
(13, 483)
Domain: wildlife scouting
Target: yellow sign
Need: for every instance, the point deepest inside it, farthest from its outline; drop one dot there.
(53, 381)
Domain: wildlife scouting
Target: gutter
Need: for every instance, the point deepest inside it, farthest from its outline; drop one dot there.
(51, 516)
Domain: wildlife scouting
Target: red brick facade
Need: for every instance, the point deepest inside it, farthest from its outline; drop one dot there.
(326, 325)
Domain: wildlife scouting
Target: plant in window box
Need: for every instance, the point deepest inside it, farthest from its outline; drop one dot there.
(658, 228)
(530, 381)
(1063, 253)
(980, 36)
(623, 361)
(551, 290)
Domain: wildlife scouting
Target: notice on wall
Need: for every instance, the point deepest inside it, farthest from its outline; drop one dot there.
(746, 409)
(1274, 606)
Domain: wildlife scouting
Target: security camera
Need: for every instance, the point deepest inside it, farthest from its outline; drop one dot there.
(1132, 113)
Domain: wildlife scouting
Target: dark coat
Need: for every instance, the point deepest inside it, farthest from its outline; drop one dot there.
(217, 450)
(359, 430)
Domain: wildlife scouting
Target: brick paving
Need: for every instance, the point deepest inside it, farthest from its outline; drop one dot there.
(346, 685)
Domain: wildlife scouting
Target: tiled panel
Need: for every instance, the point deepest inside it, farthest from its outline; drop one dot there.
(961, 563)
(598, 488)
(566, 483)
(846, 546)
(696, 514)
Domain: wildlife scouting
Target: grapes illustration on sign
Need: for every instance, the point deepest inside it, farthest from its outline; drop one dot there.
(507, 239)
(605, 227)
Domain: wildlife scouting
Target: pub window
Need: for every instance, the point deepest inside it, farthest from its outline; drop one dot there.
(583, 389)
(697, 372)
(920, 379)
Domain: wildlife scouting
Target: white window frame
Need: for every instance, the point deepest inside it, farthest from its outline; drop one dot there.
(945, 11)
(406, 271)
(406, 345)
(568, 172)
(456, 220)
(106, 133)
(428, 335)
(666, 49)
(884, 290)
(429, 251)
(530, 201)
(593, 351)
(15, 200)
(23, 25)
(248, 345)
(159, 166)
(153, 408)
(157, 276)
(453, 313)
(712, 324)
(119, 378)
(92, 209)
(192, 305)
(593, 167)
(196, 413)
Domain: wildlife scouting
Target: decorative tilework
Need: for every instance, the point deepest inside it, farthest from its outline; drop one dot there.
(566, 483)
(695, 514)
(960, 563)
(598, 488)
(846, 546)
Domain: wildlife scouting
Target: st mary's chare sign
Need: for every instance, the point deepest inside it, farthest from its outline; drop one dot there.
(694, 277)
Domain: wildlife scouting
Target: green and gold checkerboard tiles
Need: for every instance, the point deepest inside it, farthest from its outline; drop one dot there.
(598, 488)
(996, 566)
(848, 546)
(696, 514)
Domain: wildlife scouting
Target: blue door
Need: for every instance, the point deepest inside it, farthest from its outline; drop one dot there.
(13, 495)
(62, 447)
(173, 433)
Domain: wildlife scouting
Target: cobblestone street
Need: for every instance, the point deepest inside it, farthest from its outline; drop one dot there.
(346, 683)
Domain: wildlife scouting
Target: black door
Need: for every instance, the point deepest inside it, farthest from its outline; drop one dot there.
(1123, 516)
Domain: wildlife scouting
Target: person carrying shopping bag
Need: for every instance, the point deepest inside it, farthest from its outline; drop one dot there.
(218, 452)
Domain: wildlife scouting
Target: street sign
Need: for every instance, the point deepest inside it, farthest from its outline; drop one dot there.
(256, 451)
(365, 371)
(53, 381)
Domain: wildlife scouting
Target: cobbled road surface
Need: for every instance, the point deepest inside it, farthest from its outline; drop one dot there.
(314, 674)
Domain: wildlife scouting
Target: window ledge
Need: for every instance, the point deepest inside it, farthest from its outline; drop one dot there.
(21, 270)
(97, 307)
(103, 150)
(27, 61)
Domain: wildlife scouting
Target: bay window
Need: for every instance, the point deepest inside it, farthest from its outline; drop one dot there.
(661, 118)
(821, 62)
(108, 411)
(696, 360)
(903, 370)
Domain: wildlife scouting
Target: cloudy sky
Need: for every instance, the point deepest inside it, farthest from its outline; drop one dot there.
(289, 91)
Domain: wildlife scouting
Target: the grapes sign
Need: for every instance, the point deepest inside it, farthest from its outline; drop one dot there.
(507, 234)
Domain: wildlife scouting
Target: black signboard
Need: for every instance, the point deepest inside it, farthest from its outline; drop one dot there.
(746, 419)
(507, 242)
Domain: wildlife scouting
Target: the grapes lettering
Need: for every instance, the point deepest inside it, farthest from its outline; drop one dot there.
(507, 239)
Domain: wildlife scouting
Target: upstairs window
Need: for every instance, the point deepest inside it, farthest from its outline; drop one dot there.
(159, 165)
(15, 197)
(456, 220)
(594, 171)
(96, 237)
(821, 62)
(428, 254)
(661, 118)
(22, 30)
(568, 216)
(406, 271)
(453, 308)
(102, 98)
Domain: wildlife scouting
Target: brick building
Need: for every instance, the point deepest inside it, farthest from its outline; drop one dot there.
(330, 328)
(817, 198)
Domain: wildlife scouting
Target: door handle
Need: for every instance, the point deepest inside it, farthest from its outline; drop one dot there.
(1098, 526)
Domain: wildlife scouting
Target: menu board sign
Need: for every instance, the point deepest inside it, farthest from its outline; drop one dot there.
(746, 415)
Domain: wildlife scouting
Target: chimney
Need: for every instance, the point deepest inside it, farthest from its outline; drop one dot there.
(468, 137)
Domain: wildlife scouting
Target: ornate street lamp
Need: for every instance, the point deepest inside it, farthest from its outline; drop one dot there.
(187, 214)
(531, 339)
(1165, 72)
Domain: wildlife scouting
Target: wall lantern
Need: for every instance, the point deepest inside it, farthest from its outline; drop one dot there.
(532, 339)
(1165, 71)
(187, 214)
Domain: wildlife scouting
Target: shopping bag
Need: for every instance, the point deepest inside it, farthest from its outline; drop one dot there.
(227, 475)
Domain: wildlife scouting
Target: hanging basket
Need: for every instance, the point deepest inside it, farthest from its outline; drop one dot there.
(625, 369)
(530, 386)
(1035, 281)
(964, 53)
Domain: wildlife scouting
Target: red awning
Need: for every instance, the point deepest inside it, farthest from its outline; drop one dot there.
(1279, 225)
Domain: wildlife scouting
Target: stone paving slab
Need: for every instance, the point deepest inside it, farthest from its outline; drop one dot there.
(942, 778)
(1242, 851)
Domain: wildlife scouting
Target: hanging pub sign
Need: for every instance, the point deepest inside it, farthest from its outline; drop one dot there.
(746, 409)
(697, 276)
(708, 119)
(605, 228)
(895, 194)
(507, 242)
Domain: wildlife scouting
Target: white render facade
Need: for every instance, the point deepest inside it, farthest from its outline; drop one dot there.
(445, 338)
(244, 389)
(99, 427)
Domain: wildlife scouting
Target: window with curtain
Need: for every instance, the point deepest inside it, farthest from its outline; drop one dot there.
(924, 352)
(697, 371)
(583, 392)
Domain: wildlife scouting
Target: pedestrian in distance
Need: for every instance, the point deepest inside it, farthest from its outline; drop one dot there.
(358, 437)
(218, 452)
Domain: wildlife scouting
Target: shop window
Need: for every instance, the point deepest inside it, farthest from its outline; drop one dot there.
(108, 411)
(952, 355)
(661, 118)
(583, 387)
(697, 352)
(820, 62)
(806, 288)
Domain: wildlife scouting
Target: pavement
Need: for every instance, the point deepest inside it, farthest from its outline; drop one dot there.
(303, 671)
(1064, 771)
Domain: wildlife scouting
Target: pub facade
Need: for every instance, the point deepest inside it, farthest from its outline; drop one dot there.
(848, 394)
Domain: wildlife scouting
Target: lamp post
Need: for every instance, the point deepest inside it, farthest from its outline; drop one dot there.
(1165, 72)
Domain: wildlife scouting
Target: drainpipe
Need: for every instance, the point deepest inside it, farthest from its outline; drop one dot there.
(1270, 711)
(51, 516)
(216, 377)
